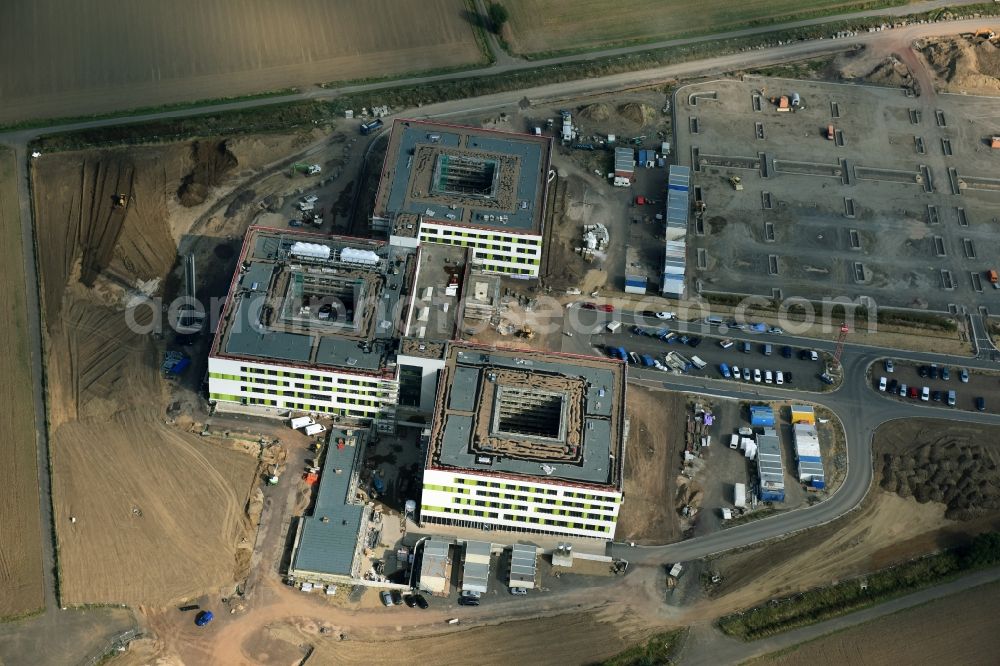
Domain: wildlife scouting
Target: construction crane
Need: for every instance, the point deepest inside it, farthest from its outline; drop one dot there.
(844, 330)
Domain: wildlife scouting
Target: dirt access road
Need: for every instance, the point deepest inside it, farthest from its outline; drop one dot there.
(20, 541)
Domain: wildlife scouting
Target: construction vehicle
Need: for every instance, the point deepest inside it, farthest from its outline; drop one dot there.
(829, 132)
(736, 182)
(995, 142)
(369, 127)
(782, 103)
(310, 169)
(121, 200)
(984, 32)
(526, 333)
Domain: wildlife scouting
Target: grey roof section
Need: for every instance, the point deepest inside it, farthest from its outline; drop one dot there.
(523, 563)
(597, 464)
(476, 574)
(530, 152)
(463, 389)
(624, 159)
(328, 547)
(248, 338)
(434, 562)
(772, 475)
(345, 353)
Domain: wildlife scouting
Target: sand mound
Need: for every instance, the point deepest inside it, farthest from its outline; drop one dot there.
(596, 112)
(890, 72)
(964, 64)
(637, 113)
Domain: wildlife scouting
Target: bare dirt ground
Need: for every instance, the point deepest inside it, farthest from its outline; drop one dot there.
(963, 64)
(960, 629)
(20, 547)
(146, 513)
(886, 529)
(68, 59)
(652, 461)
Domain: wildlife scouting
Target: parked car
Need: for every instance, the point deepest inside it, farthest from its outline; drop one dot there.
(421, 602)
(888, 365)
(981, 404)
(397, 598)
(788, 376)
(936, 396)
(736, 372)
(768, 377)
(893, 385)
(786, 351)
(924, 371)
(468, 601)
(925, 394)
(774, 330)
(882, 384)
(952, 397)
(913, 393)
(409, 600)
(662, 315)
(606, 308)
(825, 378)
(746, 374)
(385, 597)
(933, 371)
(945, 374)
(902, 390)
(588, 306)
(767, 349)
(519, 591)
(779, 378)
(964, 376)
(694, 341)
(756, 375)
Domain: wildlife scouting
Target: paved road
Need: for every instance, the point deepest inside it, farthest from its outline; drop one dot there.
(850, 400)
(707, 645)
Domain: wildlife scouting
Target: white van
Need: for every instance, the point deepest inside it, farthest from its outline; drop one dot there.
(614, 326)
(698, 363)
(779, 378)
(768, 377)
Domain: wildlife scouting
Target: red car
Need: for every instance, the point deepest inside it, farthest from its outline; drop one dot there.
(913, 391)
(594, 306)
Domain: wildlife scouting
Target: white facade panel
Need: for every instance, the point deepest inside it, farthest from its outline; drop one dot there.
(493, 250)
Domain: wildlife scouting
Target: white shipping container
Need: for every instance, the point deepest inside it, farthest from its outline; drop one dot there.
(314, 429)
(740, 495)
(300, 422)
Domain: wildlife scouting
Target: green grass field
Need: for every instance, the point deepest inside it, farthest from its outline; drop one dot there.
(553, 26)
(20, 537)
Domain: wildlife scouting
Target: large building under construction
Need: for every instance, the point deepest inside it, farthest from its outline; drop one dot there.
(311, 324)
(526, 441)
(469, 187)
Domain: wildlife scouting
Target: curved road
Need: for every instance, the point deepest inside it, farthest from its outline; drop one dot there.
(859, 412)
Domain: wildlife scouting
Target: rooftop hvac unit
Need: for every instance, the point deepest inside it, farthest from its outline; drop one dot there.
(310, 250)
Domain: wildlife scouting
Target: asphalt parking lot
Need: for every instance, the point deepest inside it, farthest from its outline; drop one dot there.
(980, 384)
(805, 373)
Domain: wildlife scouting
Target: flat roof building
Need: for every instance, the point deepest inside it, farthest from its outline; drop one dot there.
(469, 187)
(769, 467)
(435, 566)
(311, 324)
(523, 564)
(327, 546)
(677, 207)
(808, 455)
(527, 441)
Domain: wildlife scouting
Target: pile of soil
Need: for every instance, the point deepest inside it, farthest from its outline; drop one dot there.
(965, 64)
(891, 73)
(637, 113)
(212, 163)
(956, 471)
(596, 112)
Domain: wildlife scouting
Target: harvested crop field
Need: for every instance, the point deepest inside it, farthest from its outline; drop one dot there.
(540, 26)
(20, 547)
(145, 513)
(66, 58)
(960, 629)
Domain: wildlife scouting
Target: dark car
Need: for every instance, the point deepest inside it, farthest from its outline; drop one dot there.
(409, 600)
(788, 377)
(746, 347)
(945, 374)
(685, 339)
(638, 330)
(468, 601)
(421, 602)
(933, 372)
(694, 342)
(648, 313)
(588, 306)
(825, 378)
(397, 598)
(936, 396)
(981, 404)
(923, 371)
(893, 385)
(804, 355)
(786, 351)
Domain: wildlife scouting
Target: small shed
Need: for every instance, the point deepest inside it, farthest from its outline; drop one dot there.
(522, 566)
(803, 414)
(476, 567)
(562, 556)
(761, 416)
(434, 567)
